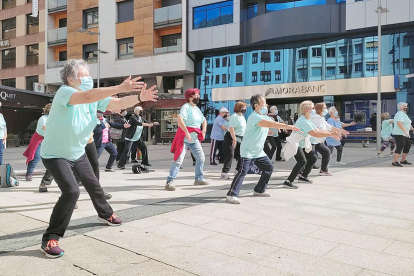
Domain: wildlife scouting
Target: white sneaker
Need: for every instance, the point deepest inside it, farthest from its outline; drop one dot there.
(233, 200)
(170, 186)
(264, 194)
(321, 173)
(224, 176)
(341, 163)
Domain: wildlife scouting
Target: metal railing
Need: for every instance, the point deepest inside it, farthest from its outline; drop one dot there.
(57, 5)
(57, 36)
(170, 49)
(168, 16)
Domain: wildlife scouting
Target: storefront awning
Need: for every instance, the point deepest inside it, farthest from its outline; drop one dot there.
(164, 104)
(13, 97)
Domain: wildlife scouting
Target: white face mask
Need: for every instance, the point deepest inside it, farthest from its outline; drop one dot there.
(124, 113)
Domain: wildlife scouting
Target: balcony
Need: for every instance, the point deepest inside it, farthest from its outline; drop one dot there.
(56, 64)
(168, 16)
(57, 6)
(57, 37)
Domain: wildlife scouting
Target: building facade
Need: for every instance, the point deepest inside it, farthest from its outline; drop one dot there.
(289, 51)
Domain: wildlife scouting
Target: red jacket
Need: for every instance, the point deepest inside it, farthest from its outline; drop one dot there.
(178, 142)
(31, 149)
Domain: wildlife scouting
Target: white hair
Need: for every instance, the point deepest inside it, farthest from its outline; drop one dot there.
(137, 109)
(401, 105)
(71, 69)
(273, 107)
(332, 109)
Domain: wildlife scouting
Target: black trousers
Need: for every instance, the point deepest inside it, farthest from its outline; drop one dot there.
(304, 161)
(64, 172)
(124, 155)
(270, 147)
(120, 145)
(403, 144)
(142, 148)
(326, 155)
(216, 146)
(338, 152)
(230, 153)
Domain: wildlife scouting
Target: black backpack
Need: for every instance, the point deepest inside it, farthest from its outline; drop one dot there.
(138, 169)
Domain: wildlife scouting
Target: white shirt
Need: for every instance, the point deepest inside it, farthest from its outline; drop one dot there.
(320, 123)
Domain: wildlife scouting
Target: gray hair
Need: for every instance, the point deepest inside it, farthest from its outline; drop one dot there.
(331, 109)
(71, 69)
(401, 105)
(273, 107)
(137, 108)
(255, 99)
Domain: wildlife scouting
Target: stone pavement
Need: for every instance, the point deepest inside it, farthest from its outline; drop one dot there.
(358, 222)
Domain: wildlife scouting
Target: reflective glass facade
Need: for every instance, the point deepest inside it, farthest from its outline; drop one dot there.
(270, 6)
(213, 15)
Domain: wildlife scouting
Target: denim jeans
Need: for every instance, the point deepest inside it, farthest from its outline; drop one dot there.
(198, 153)
(1, 151)
(32, 164)
(109, 147)
(263, 163)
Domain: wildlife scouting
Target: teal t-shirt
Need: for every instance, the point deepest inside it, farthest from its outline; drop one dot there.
(401, 117)
(40, 123)
(386, 129)
(3, 128)
(305, 126)
(193, 117)
(239, 124)
(254, 137)
(69, 127)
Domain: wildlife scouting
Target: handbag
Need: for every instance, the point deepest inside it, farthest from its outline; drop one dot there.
(115, 134)
(7, 176)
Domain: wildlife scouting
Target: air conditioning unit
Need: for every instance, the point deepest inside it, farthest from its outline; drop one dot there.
(39, 87)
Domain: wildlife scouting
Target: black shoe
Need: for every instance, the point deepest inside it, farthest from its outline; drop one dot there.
(304, 179)
(396, 164)
(107, 196)
(315, 167)
(213, 163)
(279, 159)
(405, 162)
(134, 161)
(121, 168)
(147, 165)
(289, 185)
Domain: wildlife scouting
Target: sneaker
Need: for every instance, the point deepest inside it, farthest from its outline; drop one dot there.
(396, 164)
(391, 154)
(315, 167)
(264, 194)
(287, 184)
(28, 177)
(109, 170)
(224, 176)
(42, 188)
(213, 163)
(51, 249)
(304, 180)
(134, 161)
(107, 196)
(321, 173)
(170, 186)
(380, 155)
(121, 168)
(405, 162)
(340, 163)
(201, 182)
(233, 199)
(113, 220)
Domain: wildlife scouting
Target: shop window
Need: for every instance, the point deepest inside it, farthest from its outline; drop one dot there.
(330, 52)
(90, 52)
(213, 15)
(125, 11)
(265, 76)
(239, 60)
(239, 77)
(372, 46)
(6, 4)
(372, 67)
(30, 81)
(90, 18)
(343, 50)
(255, 57)
(408, 40)
(9, 28)
(316, 52)
(63, 56)
(277, 56)
(302, 73)
(316, 71)
(407, 63)
(32, 54)
(9, 82)
(217, 63)
(407, 84)
(303, 53)
(63, 23)
(265, 57)
(343, 69)
(217, 79)
(171, 40)
(278, 75)
(207, 63)
(254, 76)
(358, 48)
(224, 78)
(8, 58)
(358, 67)
(251, 11)
(224, 62)
(32, 24)
(126, 48)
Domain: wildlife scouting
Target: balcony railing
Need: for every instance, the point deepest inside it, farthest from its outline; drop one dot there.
(168, 16)
(170, 49)
(57, 5)
(57, 36)
(56, 64)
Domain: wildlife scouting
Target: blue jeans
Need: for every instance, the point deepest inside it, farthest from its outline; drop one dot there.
(109, 147)
(263, 163)
(32, 164)
(1, 151)
(198, 153)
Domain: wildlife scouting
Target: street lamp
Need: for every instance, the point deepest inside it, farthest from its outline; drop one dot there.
(380, 10)
(98, 33)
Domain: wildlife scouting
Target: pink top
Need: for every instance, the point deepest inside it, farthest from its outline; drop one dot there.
(105, 135)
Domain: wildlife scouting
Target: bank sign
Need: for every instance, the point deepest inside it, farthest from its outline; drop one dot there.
(300, 89)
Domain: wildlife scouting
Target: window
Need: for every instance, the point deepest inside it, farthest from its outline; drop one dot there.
(317, 52)
(90, 18)
(29, 1)
(63, 56)
(265, 57)
(9, 82)
(277, 56)
(63, 23)
(9, 28)
(251, 11)
(217, 63)
(343, 50)
(406, 84)
(6, 4)
(330, 71)
(224, 78)
(32, 54)
(239, 60)
(254, 57)
(358, 67)
(330, 52)
(207, 80)
(239, 77)
(343, 69)
(213, 15)
(32, 24)
(372, 46)
(303, 53)
(407, 63)
(126, 48)
(90, 52)
(278, 75)
(316, 71)
(125, 11)
(171, 40)
(265, 76)
(302, 73)
(408, 40)
(207, 63)
(224, 62)
(398, 41)
(217, 79)
(358, 48)
(30, 81)
(254, 76)
(372, 67)
(8, 58)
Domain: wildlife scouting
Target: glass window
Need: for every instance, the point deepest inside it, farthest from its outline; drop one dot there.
(126, 48)
(277, 56)
(90, 52)
(316, 52)
(213, 15)
(207, 80)
(239, 77)
(63, 56)
(343, 69)
(398, 41)
(8, 58)
(408, 40)
(239, 60)
(265, 57)
(330, 71)
(302, 73)
(30, 81)
(372, 46)
(407, 84)
(171, 40)
(358, 48)
(340, 1)
(303, 53)
(9, 82)
(9, 28)
(251, 11)
(125, 11)
(316, 71)
(254, 57)
(63, 23)
(224, 78)
(32, 54)
(358, 67)
(32, 24)
(217, 79)
(217, 62)
(224, 62)
(407, 63)
(265, 76)
(278, 75)
(343, 50)
(330, 52)
(372, 66)
(207, 63)
(6, 4)
(90, 18)
(270, 6)
(254, 76)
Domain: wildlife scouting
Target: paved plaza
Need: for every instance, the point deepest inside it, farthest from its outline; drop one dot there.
(358, 222)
